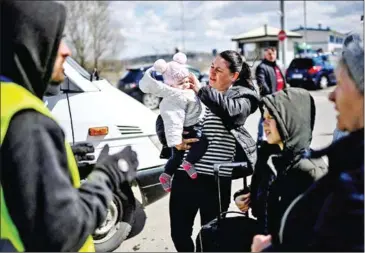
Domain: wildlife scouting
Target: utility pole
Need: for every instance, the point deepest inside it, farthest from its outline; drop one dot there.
(305, 27)
(182, 27)
(282, 22)
(156, 52)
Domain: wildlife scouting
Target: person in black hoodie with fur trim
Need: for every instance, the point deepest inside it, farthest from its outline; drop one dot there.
(281, 174)
(43, 206)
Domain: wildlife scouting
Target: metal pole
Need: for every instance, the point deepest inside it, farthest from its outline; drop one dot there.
(156, 52)
(282, 21)
(305, 26)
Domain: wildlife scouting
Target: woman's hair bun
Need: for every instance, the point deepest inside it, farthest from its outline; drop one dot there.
(160, 65)
(180, 58)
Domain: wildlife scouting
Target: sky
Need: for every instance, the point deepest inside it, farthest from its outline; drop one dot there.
(151, 27)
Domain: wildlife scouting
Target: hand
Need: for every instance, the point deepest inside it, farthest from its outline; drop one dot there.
(194, 83)
(260, 242)
(82, 154)
(121, 166)
(243, 202)
(81, 151)
(184, 145)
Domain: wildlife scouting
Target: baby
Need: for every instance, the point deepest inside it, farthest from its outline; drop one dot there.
(181, 112)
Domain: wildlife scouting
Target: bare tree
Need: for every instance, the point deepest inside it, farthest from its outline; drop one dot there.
(77, 29)
(91, 32)
(105, 40)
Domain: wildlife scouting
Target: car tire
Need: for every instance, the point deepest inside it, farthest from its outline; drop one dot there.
(323, 82)
(116, 227)
(150, 101)
(139, 220)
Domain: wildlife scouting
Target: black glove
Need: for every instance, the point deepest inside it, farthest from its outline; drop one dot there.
(120, 167)
(81, 151)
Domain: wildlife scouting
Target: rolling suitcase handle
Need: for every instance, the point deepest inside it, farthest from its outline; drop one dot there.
(216, 175)
(221, 214)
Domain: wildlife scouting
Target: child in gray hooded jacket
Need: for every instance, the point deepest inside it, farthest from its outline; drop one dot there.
(181, 112)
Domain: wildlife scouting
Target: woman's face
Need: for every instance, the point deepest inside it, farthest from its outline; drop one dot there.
(220, 77)
(349, 102)
(271, 130)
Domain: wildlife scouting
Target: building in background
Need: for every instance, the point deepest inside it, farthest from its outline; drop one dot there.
(322, 38)
(252, 43)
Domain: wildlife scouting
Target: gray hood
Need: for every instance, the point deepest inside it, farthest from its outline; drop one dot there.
(294, 111)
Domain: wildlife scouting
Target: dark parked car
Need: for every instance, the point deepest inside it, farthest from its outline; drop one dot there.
(311, 72)
(129, 84)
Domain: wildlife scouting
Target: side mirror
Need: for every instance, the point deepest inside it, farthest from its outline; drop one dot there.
(65, 85)
(53, 89)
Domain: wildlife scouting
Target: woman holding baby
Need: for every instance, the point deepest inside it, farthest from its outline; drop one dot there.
(229, 99)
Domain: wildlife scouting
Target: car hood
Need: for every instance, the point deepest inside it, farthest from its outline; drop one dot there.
(115, 107)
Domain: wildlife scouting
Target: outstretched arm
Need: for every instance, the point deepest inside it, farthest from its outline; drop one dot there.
(150, 85)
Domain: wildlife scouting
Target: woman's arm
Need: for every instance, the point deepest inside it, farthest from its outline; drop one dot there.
(223, 106)
(220, 104)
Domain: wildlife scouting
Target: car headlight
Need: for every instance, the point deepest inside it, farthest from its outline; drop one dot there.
(156, 142)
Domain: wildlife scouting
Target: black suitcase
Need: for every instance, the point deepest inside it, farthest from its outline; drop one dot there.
(228, 234)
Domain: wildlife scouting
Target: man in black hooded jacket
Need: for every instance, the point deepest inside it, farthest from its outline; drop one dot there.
(41, 210)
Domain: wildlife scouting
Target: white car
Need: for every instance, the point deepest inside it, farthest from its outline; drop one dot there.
(94, 111)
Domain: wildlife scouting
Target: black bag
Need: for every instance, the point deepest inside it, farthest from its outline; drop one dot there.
(228, 234)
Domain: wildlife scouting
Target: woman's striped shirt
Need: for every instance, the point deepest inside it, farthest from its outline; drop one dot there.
(221, 147)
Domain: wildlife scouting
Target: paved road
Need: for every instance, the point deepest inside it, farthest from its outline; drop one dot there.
(156, 235)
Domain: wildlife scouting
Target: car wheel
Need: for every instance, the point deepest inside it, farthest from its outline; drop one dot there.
(323, 82)
(139, 220)
(116, 227)
(150, 101)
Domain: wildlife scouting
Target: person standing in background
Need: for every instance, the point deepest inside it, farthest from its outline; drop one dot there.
(269, 79)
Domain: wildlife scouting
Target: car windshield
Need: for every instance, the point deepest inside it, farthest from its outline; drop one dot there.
(301, 63)
(78, 68)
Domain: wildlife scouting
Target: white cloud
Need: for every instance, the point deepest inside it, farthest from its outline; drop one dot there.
(155, 26)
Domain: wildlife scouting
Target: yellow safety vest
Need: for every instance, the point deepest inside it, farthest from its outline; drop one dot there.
(15, 98)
